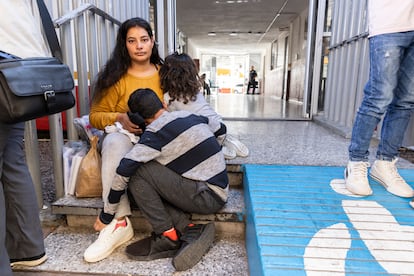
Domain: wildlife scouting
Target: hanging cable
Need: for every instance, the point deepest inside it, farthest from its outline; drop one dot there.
(273, 21)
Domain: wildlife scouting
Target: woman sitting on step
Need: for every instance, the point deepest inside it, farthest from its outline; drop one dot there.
(134, 63)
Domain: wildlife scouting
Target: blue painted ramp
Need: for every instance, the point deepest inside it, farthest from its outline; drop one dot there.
(302, 221)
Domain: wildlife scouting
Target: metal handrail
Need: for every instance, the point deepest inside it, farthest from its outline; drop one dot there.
(87, 61)
(87, 19)
(79, 12)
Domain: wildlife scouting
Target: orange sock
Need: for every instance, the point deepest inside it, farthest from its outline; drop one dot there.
(171, 234)
(120, 223)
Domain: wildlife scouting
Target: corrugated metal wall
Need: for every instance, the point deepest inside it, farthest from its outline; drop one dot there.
(348, 67)
(348, 64)
(87, 36)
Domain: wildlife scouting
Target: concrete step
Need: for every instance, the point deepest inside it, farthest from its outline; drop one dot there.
(229, 221)
(82, 212)
(65, 247)
(68, 230)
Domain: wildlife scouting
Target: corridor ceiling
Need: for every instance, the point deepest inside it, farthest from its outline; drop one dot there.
(238, 25)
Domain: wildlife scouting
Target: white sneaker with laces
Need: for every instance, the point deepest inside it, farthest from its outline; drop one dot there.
(232, 142)
(356, 178)
(108, 240)
(229, 153)
(386, 173)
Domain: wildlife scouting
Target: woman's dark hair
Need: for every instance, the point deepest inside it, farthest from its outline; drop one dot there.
(179, 77)
(119, 61)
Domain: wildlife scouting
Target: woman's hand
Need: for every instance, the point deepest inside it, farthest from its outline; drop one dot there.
(128, 125)
(98, 226)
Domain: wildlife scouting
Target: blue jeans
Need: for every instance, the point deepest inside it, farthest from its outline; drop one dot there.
(389, 90)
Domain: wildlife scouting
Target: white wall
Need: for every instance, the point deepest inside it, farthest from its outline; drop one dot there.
(192, 50)
(296, 60)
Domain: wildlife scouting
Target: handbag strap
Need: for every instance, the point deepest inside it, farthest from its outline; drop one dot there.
(49, 30)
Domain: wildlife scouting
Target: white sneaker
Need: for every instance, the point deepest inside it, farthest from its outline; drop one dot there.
(229, 153)
(386, 173)
(356, 178)
(234, 143)
(109, 239)
(412, 203)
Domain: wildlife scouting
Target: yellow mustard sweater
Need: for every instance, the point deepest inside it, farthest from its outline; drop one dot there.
(104, 113)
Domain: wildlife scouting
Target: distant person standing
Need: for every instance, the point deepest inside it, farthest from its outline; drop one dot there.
(206, 87)
(21, 236)
(252, 80)
(389, 91)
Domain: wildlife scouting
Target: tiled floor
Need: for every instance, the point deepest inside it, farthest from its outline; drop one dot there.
(254, 107)
(293, 143)
(271, 141)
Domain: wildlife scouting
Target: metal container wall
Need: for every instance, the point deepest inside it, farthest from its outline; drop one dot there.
(348, 63)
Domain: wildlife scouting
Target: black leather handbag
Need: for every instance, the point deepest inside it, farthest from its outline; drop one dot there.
(35, 87)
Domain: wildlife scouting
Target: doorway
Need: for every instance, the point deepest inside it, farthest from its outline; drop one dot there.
(217, 32)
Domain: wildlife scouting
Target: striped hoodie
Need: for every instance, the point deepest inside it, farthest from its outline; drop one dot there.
(183, 142)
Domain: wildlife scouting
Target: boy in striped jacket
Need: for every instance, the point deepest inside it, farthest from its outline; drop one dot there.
(176, 168)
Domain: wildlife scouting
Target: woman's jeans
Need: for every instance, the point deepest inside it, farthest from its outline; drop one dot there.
(390, 90)
(114, 147)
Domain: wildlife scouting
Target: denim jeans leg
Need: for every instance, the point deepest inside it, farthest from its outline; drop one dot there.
(392, 133)
(399, 112)
(362, 131)
(385, 58)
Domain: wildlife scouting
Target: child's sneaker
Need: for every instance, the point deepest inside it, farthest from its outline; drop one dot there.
(233, 143)
(196, 241)
(152, 248)
(228, 153)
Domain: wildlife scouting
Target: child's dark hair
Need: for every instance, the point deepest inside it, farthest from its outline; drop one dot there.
(145, 102)
(179, 77)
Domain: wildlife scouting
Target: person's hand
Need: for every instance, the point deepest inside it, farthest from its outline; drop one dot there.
(128, 125)
(98, 226)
